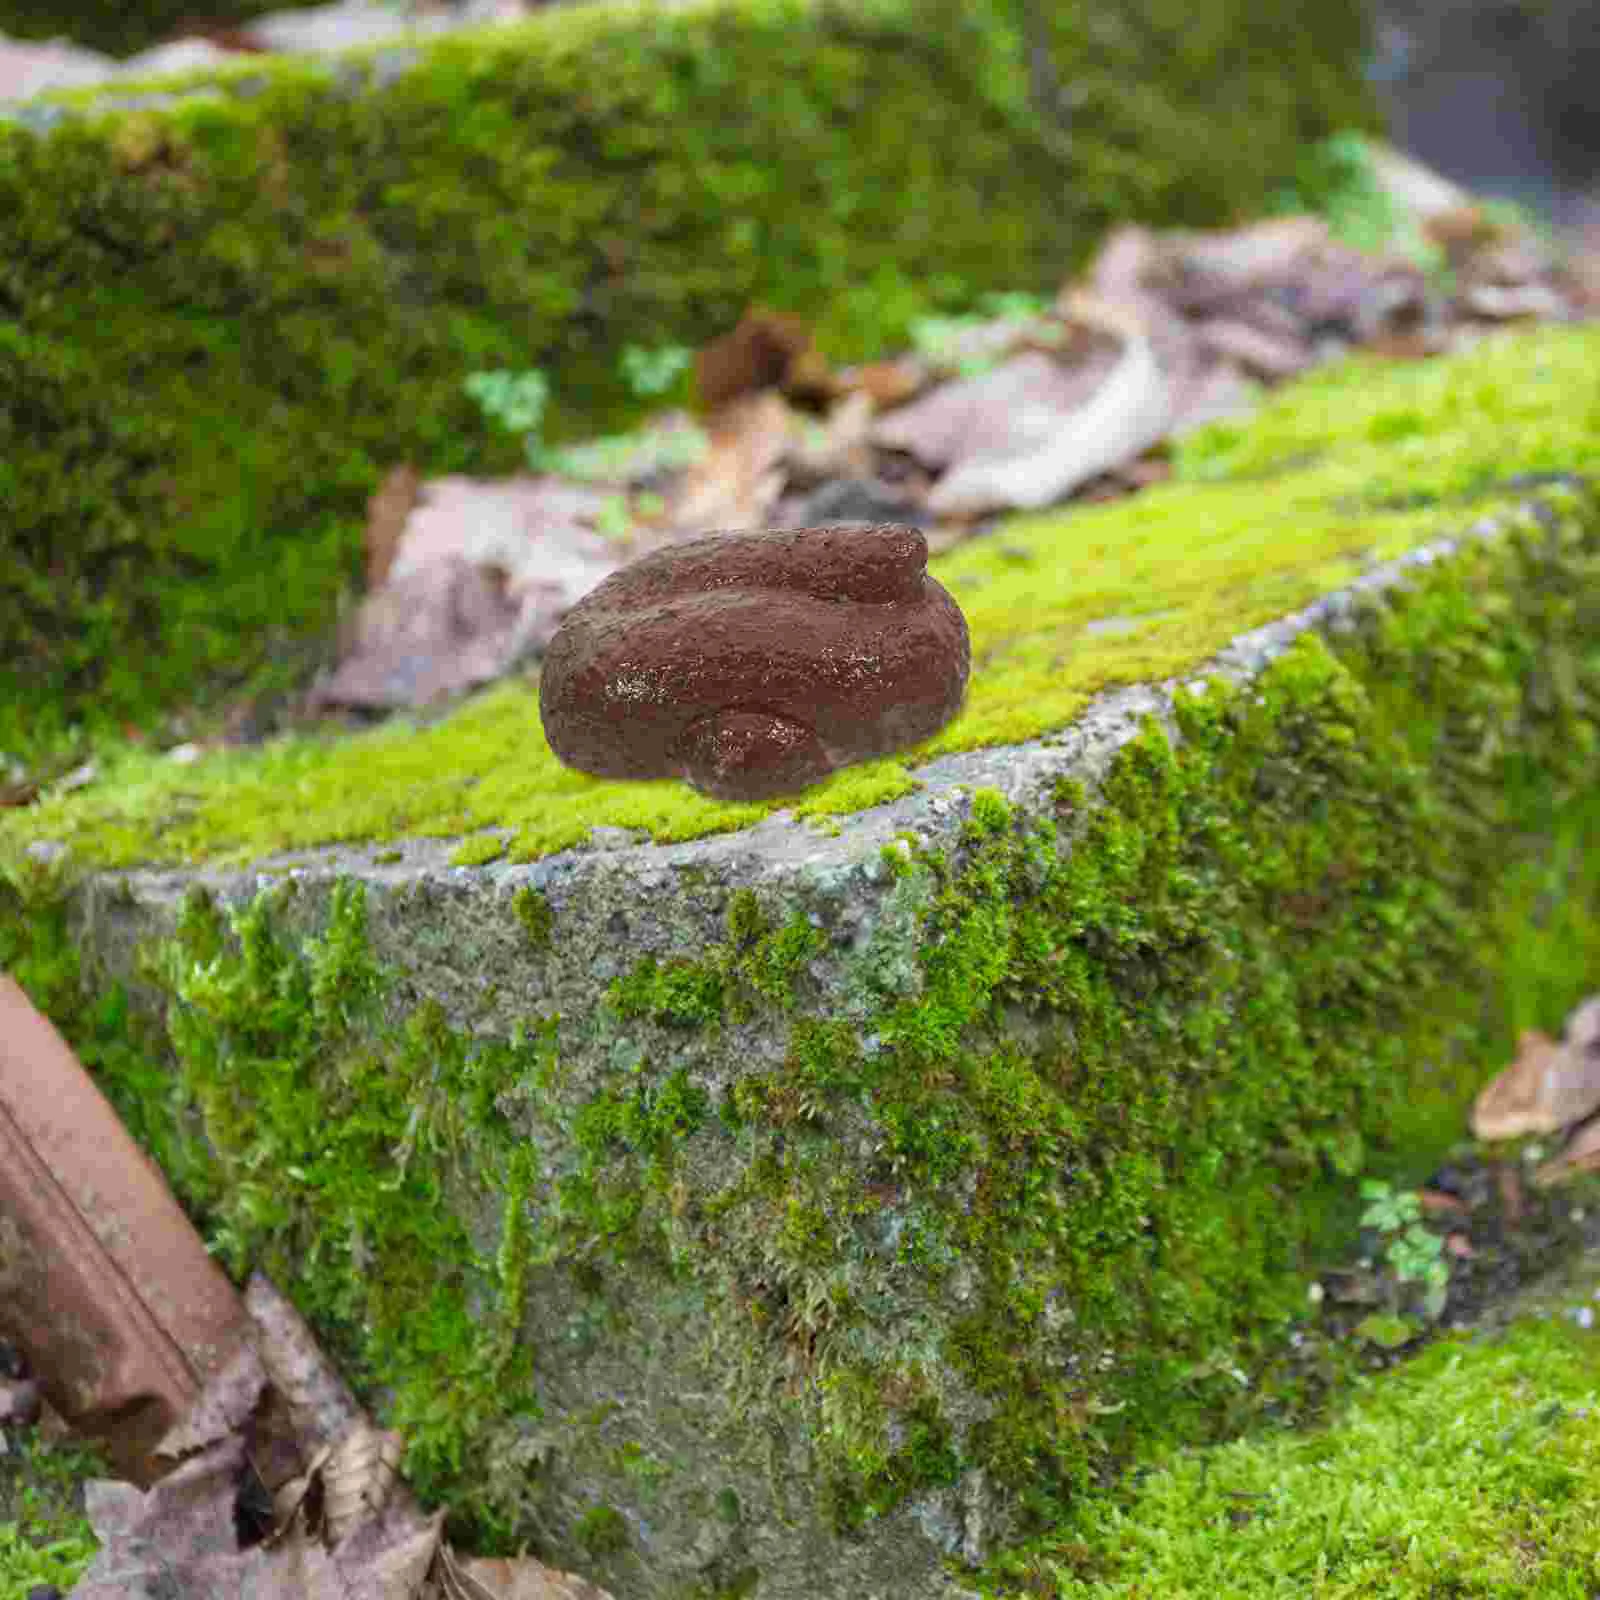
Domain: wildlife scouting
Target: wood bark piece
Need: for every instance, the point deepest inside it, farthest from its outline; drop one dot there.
(104, 1284)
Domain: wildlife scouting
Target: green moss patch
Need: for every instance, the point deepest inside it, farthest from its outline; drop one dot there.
(1264, 519)
(1474, 1471)
(44, 1536)
(220, 324)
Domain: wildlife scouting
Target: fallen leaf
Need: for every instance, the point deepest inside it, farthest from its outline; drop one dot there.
(835, 448)
(1217, 392)
(886, 383)
(387, 513)
(423, 638)
(480, 578)
(767, 350)
(1268, 355)
(222, 1407)
(1200, 272)
(359, 1477)
(1581, 1153)
(1418, 191)
(1549, 1086)
(319, 1400)
(738, 480)
(1128, 412)
(1504, 302)
(500, 1578)
(999, 414)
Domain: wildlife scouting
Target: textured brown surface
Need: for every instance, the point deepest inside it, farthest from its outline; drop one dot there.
(104, 1285)
(752, 664)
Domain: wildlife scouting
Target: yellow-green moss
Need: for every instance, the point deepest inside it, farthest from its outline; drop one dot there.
(220, 325)
(1474, 1470)
(1266, 518)
(478, 851)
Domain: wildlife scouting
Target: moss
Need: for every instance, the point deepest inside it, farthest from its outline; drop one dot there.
(533, 912)
(221, 324)
(602, 1530)
(316, 1140)
(1251, 967)
(45, 1538)
(478, 851)
(1199, 561)
(1472, 1471)
(756, 961)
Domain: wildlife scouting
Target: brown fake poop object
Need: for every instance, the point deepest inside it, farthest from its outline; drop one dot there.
(753, 664)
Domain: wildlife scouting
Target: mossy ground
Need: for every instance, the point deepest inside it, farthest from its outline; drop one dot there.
(1472, 1471)
(1350, 467)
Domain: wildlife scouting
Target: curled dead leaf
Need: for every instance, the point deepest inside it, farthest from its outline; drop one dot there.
(1128, 412)
(767, 350)
(359, 1477)
(1549, 1086)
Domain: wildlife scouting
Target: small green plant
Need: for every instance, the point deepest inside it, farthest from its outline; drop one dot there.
(938, 340)
(1413, 1254)
(653, 372)
(517, 401)
(1336, 179)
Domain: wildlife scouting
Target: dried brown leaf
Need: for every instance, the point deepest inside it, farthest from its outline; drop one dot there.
(1268, 355)
(321, 1404)
(222, 1407)
(1202, 271)
(886, 383)
(514, 1578)
(1581, 1153)
(1128, 412)
(359, 1477)
(738, 480)
(999, 414)
(767, 350)
(1549, 1086)
(1513, 1103)
(387, 513)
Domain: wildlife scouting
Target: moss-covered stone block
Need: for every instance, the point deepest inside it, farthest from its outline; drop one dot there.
(805, 1213)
